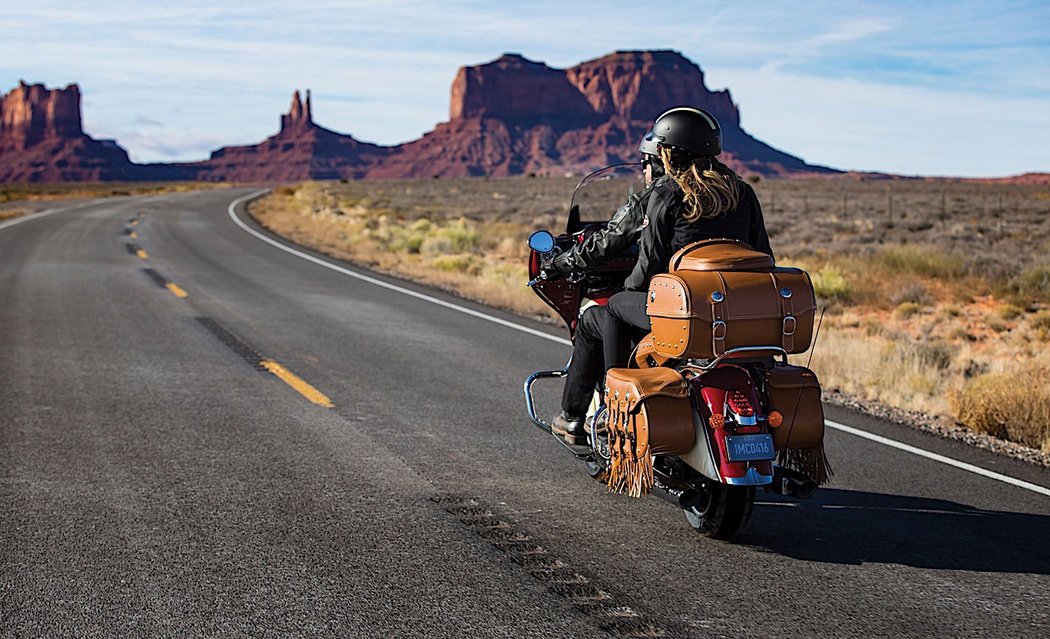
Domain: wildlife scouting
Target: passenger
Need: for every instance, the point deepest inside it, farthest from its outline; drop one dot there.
(618, 234)
(703, 199)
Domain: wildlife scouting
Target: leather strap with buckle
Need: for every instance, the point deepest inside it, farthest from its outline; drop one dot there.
(718, 324)
(787, 309)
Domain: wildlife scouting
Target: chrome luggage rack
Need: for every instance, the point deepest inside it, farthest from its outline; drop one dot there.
(740, 352)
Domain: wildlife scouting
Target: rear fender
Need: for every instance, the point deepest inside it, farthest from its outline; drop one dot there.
(702, 457)
(708, 455)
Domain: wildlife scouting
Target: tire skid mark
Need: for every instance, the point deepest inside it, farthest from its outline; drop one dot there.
(611, 613)
(236, 344)
(264, 364)
(157, 278)
(165, 283)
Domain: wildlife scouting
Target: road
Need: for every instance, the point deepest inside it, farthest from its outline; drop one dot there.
(269, 448)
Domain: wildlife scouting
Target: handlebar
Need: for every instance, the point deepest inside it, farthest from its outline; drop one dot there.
(544, 276)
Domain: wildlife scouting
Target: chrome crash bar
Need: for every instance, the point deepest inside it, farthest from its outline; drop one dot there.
(530, 405)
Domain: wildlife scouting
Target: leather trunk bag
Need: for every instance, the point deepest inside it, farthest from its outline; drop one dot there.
(736, 298)
(650, 413)
(794, 391)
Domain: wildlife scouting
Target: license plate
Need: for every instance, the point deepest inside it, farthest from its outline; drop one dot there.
(749, 447)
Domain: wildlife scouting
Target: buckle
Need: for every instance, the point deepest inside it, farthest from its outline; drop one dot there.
(787, 332)
(718, 330)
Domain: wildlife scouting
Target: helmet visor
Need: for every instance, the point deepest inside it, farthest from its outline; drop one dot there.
(649, 145)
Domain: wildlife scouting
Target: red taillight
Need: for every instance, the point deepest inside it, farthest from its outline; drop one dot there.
(740, 404)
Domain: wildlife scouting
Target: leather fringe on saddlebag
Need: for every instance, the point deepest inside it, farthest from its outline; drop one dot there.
(650, 413)
(794, 391)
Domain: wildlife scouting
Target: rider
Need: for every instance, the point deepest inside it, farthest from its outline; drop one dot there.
(703, 199)
(613, 239)
(621, 231)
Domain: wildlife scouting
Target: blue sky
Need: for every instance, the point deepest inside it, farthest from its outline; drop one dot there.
(927, 88)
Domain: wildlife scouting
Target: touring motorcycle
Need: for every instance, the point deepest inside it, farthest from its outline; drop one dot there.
(707, 416)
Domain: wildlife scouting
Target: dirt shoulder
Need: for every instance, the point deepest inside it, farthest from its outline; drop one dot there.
(920, 326)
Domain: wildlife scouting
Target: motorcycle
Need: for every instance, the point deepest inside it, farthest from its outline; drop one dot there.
(714, 483)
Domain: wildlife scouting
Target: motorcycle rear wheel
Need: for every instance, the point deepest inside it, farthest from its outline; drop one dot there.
(722, 511)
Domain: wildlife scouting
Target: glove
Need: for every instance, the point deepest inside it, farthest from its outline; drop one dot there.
(549, 264)
(558, 264)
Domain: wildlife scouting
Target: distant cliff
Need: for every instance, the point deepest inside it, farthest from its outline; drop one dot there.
(514, 115)
(507, 117)
(301, 150)
(42, 140)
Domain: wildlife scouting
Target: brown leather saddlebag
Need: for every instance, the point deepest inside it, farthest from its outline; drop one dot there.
(721, 294)
(650, 413)
(794, 391)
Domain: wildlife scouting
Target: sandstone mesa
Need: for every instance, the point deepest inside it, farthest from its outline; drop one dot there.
(510, 116)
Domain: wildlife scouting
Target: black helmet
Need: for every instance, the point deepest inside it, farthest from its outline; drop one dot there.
(693, 130)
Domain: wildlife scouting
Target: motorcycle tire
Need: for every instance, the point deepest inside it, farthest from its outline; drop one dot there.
(597, 471)
(722, 512)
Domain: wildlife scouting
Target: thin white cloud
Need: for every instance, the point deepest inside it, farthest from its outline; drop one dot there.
(841, 34)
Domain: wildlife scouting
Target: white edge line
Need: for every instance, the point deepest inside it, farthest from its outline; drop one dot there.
(977, 470)
(386, 285)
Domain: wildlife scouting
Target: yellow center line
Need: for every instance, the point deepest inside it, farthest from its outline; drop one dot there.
(133, 235)
(133, 223)
(290, 378)
(143, 255)
(175, 289)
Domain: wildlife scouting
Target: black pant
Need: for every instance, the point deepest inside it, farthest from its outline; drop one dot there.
(605, 337)
(625, 323)
(588, 363)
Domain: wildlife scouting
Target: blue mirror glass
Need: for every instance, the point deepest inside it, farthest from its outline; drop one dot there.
(541, 241)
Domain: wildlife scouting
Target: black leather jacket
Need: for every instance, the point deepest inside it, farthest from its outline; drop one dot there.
(666, 230)
(611, 240)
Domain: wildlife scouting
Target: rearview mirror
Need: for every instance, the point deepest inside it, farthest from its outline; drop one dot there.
(541, 242)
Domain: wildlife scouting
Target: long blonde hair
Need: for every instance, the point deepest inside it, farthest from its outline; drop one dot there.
(711, 188)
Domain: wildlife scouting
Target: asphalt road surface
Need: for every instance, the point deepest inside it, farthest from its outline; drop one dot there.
(204, 435)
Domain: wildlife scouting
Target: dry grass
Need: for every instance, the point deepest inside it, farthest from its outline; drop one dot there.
(1007, 405)
(7, 214)
(938, 293)
(484, 261)
(929, 359)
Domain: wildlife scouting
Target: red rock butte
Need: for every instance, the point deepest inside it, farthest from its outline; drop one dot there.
(507, 117)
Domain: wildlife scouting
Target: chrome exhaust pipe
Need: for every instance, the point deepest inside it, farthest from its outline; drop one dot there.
(792, 483)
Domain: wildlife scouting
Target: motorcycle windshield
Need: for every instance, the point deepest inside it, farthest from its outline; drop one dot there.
(599, 194)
